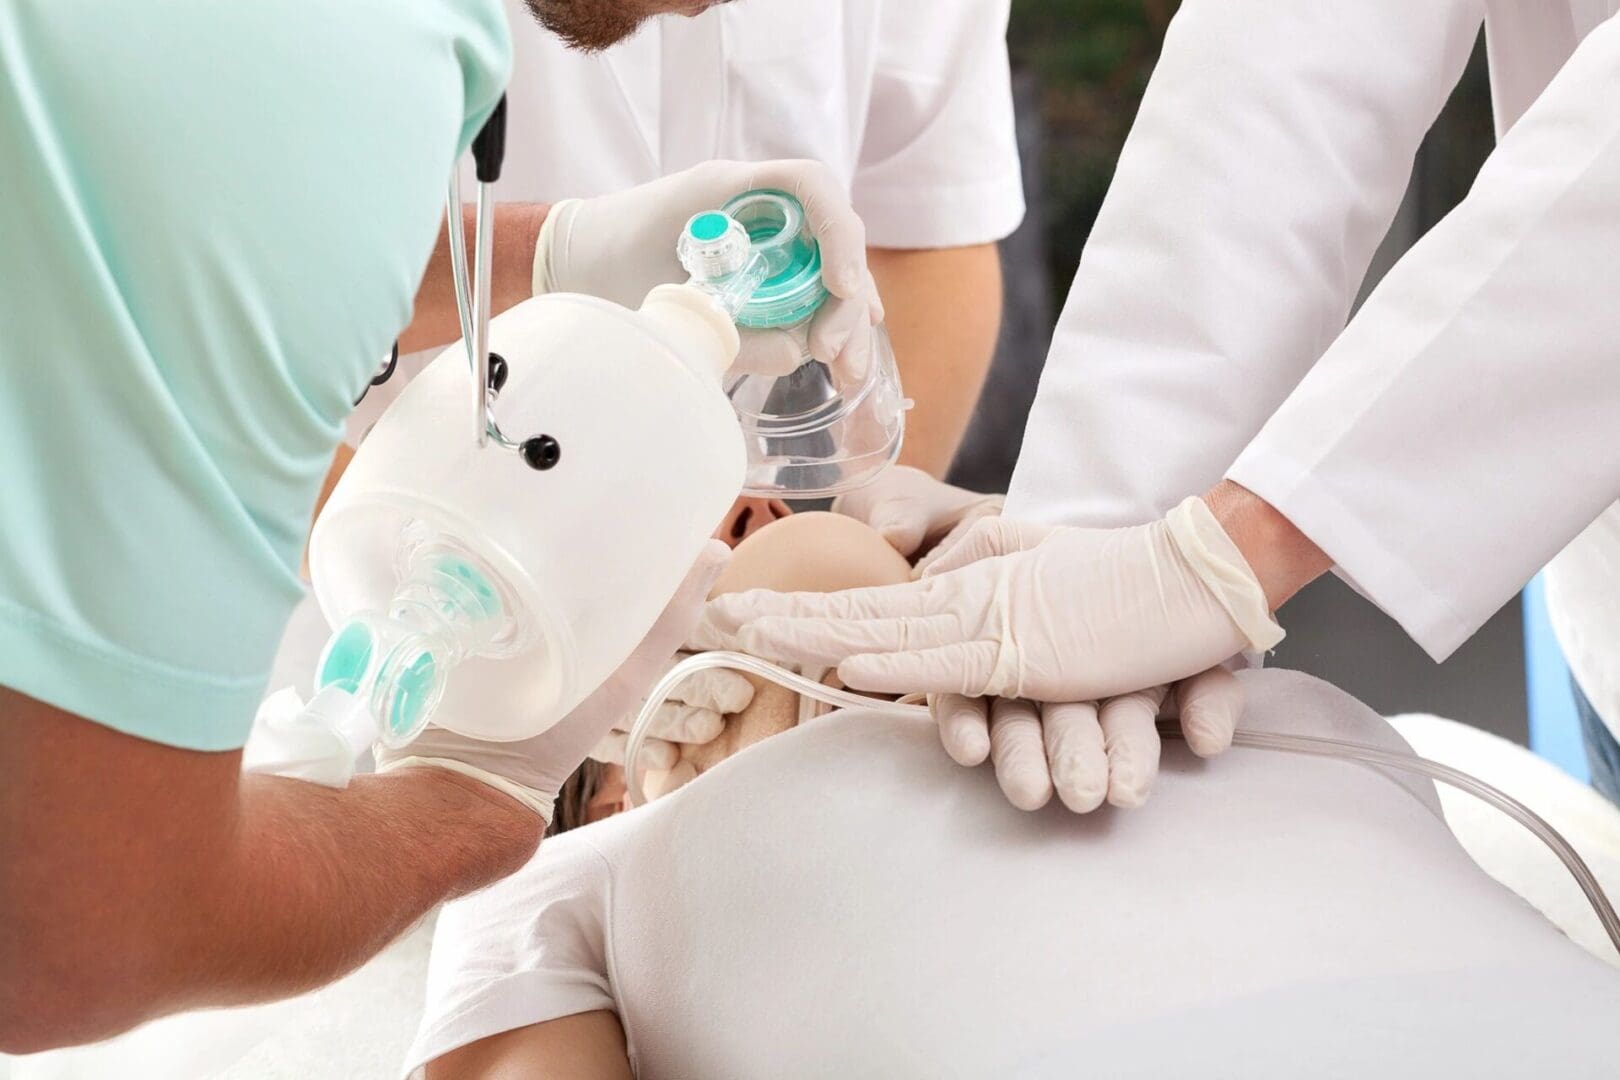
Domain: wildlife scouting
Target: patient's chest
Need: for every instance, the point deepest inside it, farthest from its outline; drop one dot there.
(845, 901)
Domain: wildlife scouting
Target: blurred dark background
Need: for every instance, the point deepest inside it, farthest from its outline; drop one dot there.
(1080, 69)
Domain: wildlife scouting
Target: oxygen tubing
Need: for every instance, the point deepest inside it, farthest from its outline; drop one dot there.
(1310, 745)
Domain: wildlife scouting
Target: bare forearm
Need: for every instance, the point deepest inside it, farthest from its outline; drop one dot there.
(944, 314)
(322, 879)
(140, 879)
(1284, 559)
(517, 228)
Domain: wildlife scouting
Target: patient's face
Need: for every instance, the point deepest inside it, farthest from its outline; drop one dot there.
(811, 552)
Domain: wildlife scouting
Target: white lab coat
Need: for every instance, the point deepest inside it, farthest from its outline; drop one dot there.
(1466, 424)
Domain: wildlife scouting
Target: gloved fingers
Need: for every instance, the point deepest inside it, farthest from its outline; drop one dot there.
(897, 505)
(837, 228)
(1075, 751)
(1210, 705)
(878, 313)
(717, 690)
(965, 668)
(1019, 753)
(687, 724)
(655, 753)
(726, 616)
(902, 524)
(706, 636)
(1131, 741)
(964, 727)
(841, 338)
(830, 641)
(928, 565)
(987, 538)
(660, 782)
(767, 352)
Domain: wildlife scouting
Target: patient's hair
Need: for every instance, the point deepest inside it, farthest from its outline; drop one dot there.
(810, 552)
(574, 800)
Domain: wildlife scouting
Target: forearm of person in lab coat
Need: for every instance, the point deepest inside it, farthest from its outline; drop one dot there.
(1284, 560)
(1271, 152)
(943, 310)
(435, 321)
(140, 880)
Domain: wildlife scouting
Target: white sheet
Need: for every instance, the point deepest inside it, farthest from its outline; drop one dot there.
(360, 1027)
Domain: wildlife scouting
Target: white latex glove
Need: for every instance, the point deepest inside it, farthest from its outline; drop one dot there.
(1087, 752)
(620, 246)
(532, 771)
(1079, 615)
(694, 714)
(916, 513)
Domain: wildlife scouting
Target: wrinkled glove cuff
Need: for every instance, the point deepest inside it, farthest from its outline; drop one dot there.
(527, 796)
(1222, 567)
(553, 231)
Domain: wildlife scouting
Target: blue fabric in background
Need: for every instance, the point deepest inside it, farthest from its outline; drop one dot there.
(1555, 725)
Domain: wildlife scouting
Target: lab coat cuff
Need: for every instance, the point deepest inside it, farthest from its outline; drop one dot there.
(943, 216)
(1358, 547)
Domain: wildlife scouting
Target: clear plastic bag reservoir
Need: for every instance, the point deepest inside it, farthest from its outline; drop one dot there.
(817, 431)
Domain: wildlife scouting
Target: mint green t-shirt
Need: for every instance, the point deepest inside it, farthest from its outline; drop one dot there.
(213, 219)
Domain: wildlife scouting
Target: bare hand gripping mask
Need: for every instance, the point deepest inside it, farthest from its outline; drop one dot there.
(817, 431)
(470, 589)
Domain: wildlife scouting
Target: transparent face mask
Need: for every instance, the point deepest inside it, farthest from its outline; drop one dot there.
(817, 431)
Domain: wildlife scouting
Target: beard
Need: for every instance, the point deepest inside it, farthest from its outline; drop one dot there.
(589, 25)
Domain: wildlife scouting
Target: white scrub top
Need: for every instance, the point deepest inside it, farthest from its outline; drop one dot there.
(843, 900)
(909, 101)
(1462, 429)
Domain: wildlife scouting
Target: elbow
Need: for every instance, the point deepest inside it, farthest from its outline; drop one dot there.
(32, 1021)
(28, 1024)
(47, 1004)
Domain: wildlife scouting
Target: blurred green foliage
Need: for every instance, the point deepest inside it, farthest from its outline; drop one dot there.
(1092, 59)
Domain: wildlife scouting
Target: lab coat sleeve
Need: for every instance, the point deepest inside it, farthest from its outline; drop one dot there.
(1466, 425)
(938, 162)
(1270, 154)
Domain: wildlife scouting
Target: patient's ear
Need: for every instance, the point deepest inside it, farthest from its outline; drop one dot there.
(813, 552)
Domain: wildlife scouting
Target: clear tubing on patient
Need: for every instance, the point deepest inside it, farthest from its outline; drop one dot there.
(1311, 745)
(817, 431)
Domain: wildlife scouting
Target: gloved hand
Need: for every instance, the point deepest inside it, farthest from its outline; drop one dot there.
(620, 246)
(695, 713)
(532, 771)
(1087, 752)
(1069, 615)
(916, 513)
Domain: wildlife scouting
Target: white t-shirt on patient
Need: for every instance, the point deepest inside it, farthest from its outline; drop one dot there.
(842, 900)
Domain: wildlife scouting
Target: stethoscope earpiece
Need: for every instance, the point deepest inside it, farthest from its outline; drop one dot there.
(541, 452)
